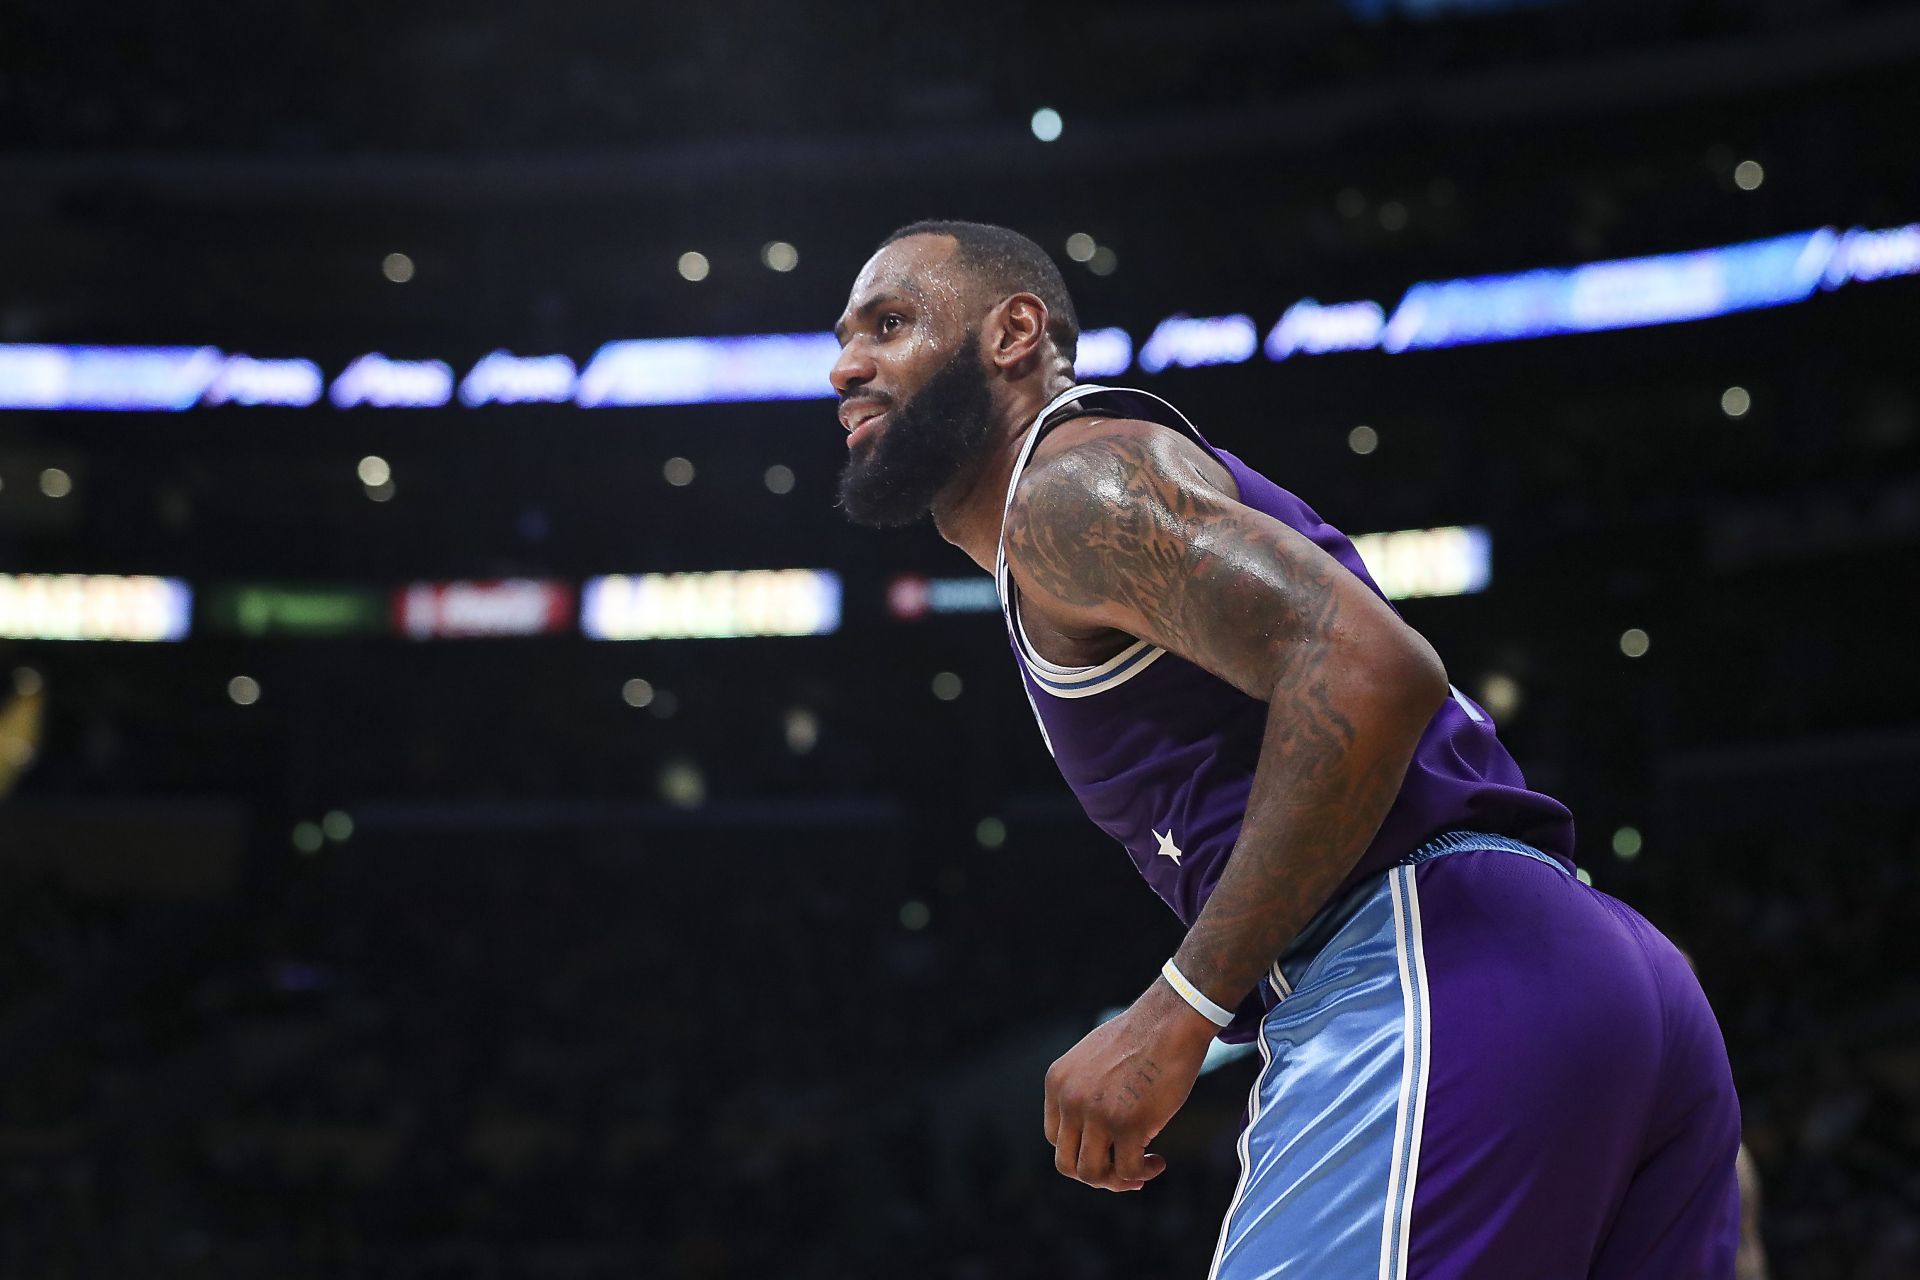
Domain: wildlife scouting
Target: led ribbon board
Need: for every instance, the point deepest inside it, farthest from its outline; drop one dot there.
(1624, 293)
(720, 605)
(1412, 563)
(80, 606)
(511, 607)
(260, 609)
(911, 597)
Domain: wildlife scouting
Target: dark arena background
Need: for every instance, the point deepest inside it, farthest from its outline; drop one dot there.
(475, 808)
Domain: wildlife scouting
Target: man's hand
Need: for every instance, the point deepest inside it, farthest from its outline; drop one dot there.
(1111, 1094)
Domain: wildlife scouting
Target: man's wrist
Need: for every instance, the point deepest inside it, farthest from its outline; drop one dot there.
(1174, 1012)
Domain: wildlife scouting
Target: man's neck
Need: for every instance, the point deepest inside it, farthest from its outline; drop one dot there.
(971, 520)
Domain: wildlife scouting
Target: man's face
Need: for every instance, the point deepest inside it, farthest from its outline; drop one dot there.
(915, 396)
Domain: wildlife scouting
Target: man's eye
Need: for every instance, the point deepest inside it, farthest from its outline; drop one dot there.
(888, 323)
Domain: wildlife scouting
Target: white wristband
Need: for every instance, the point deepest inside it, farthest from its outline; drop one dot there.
(1194, 996)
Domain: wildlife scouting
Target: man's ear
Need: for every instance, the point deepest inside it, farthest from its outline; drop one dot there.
(1016, 331)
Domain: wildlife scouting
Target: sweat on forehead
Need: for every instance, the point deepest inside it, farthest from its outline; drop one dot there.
(925, 268)
(883, 282)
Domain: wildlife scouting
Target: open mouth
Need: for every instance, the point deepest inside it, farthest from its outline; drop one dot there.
(865, 429)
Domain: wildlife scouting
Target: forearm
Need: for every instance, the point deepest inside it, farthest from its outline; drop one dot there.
(1123, 530)
(1335, 752)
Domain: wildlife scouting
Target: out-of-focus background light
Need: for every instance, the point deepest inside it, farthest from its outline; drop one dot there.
(780, 256)
(1502, 696)
(802, 728)
(683, 784)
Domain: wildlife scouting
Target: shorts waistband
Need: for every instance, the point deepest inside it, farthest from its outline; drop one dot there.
(1461, 841)
(1306, 947)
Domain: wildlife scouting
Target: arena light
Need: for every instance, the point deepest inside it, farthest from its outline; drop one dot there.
(258, 609)
(1661, 289)
(1621, 294)
(911, 596)
(375, 380)
(718, 605)
(509, 607)
(1103, 353)
(1309, 328)
(78, 606)
(1189, 342)
(294, 384)
(668, 371)
(130, 378)
(1875, 255)
(504, 378)
(780, 256)
(1413, 563)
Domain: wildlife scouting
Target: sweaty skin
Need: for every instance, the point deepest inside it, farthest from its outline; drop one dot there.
(1123, 529)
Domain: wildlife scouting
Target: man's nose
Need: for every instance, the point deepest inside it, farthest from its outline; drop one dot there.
(854, 369)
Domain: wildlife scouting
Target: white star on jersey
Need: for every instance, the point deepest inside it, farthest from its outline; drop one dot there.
(1168, 849)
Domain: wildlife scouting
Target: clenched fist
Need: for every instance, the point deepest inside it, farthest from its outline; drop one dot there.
(1111, 1094)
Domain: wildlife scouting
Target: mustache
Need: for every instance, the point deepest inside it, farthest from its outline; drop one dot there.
(880, 398)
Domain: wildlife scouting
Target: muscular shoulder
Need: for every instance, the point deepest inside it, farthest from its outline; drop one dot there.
(1105, 506)
(1109, 452)
(1119, 527)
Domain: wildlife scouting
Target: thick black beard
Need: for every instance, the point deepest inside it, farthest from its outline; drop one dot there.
(929, 441)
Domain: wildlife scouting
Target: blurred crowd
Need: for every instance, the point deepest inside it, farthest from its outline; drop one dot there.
(705, 1053)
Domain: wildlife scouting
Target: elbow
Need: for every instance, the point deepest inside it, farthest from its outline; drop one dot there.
(1429, 686)
(1386, 684)
(1412, 681)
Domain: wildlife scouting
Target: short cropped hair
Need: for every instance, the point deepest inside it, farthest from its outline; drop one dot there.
(1008, 263)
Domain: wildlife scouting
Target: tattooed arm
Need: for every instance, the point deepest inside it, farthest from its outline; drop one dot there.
(1128, 527)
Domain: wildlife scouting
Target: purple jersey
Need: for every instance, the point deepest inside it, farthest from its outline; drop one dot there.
(1161, 753)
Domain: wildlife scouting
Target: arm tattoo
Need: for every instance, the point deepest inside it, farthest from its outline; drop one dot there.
(1115, 531)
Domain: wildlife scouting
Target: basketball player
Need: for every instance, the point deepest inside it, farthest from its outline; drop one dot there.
(1473, 1064)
